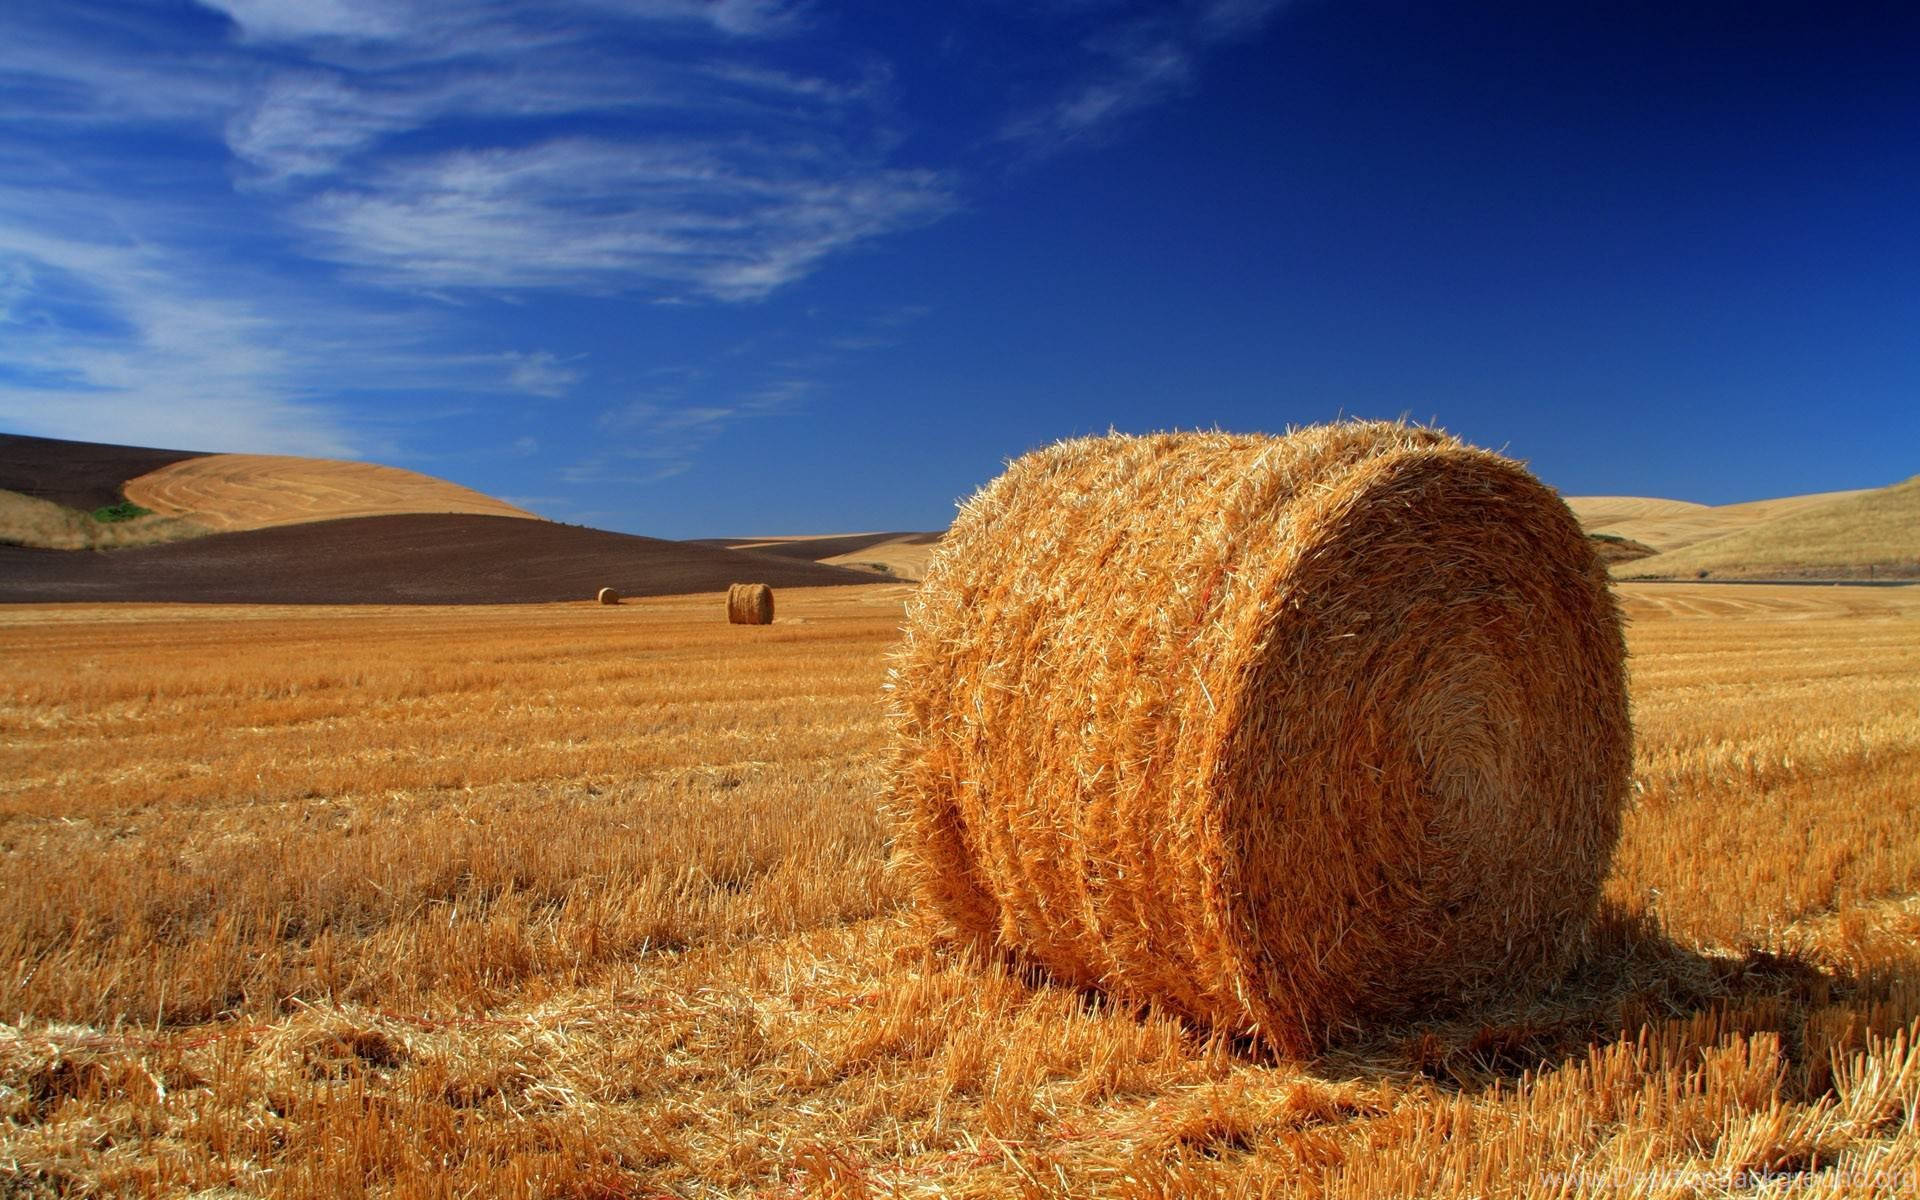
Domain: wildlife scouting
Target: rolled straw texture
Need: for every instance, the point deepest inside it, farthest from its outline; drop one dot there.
(608, 596)
(750, 604)
(1292, 735)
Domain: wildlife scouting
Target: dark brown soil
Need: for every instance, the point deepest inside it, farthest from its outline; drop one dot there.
(1612, 548)
(413, 559)
(83, 475)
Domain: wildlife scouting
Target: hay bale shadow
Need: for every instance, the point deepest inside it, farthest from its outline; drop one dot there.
(1631, 977)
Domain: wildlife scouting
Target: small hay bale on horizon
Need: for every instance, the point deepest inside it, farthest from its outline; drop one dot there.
(1292, 735)
(608, 596)
(749, 604)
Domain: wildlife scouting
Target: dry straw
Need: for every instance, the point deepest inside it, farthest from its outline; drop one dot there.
(750, 604)
(1292, 735)
(608, 596)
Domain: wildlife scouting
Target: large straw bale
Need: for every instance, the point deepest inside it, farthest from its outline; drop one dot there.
(608, 596)
(1292, 735)
(750, 604)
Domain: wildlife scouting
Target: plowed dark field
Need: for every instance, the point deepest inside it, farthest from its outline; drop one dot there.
(410, 559)
(83, 475)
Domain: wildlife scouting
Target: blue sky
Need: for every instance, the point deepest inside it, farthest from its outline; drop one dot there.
(694, 268)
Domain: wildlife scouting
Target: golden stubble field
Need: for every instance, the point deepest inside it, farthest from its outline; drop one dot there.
(583, 901)
(255, 491)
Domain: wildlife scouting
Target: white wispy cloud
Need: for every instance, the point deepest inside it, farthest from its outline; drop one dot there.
(1224, 19)
(731, 222)
(1135, 64)
(106, 334)
(744, 18)
(454, 27)
(766, 172)
(541, 374)
(659, 433)
(111, 69)
(776, 179)
(632, 466)
(275, 20)
(308, 123)
(154, 359)
(16, 284)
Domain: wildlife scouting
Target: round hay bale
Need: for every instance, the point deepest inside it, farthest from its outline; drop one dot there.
(608, 596)
(1292, 735)
(750, 604)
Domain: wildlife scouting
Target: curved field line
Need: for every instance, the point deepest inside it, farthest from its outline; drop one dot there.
(1657, 601)
(254, 491)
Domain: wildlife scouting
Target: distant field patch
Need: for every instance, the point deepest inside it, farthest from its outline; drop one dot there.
(256, 491)
(900, 555)
(1612, 548)
(1867, 534)
(44, 525)
(1671, 524)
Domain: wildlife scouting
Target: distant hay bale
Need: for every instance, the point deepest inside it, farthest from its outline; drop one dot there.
(608, 596)
(750, 604)
(1292, 735)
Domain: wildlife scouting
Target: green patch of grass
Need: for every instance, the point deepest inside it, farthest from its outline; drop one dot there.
(31, 521)
(126, 510)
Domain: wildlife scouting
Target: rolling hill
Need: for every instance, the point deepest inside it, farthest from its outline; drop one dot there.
(51, 489)
(274, 529)
(894, 555)
(412, 558)
(1672, 524)
(1874, 533)
(258, 491)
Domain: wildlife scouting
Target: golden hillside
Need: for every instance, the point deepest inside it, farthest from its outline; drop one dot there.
(1671, 524)
(254, 491)
(1877, 530)
(1611, 512)
(904, 557)
(897, 555)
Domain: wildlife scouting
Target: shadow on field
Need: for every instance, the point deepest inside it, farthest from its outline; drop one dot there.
(1632, 983)
(1632, 977)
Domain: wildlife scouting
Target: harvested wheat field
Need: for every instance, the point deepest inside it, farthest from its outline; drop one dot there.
(1671, 524)
(413, 902)
(900, 555)
(260, 491)
(1861, 534)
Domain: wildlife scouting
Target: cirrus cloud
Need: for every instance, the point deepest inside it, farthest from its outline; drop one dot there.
(729, 222)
